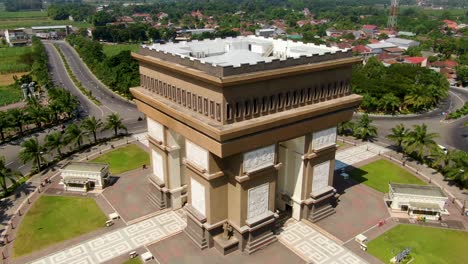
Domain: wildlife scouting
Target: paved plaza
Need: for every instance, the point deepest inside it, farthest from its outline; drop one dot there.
(353, 155)
(315, 247)
(128, 195)
(352, 215)
(119, 242)
(180, 249)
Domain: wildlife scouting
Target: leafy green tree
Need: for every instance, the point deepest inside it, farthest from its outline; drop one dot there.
(462, 74)
(6, 175)
(31, 150)
(114, 122)
(413, 51)
(419, 141)
(398, 135)
(457, 170)
(55, 140)
(74, 134)
(92, 125)
(389, 102)
(101, 18)
(364, 129)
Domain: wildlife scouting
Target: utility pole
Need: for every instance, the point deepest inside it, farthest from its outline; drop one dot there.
(392, 17)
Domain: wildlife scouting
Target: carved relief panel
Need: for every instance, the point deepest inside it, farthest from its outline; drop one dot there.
(259, 159)
(155, 130)
(324, 138)
(197, 192)
(320, 178)
(158, 166)
(196, 154)
(257, 201)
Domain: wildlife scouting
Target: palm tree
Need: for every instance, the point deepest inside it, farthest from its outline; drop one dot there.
(55, 140)
(74, 134)
(4, 124)
(32, 151)
(17, 118)
(37, 113)
(114, 122)
(92, 125)
(398, 135)
(458, 168)
(6, 174)
(363, 128)
(420, 141)
(389, 102)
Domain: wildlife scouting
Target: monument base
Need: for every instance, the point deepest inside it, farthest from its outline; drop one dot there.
(320, 206)
(156, 193)
(195, 229)
(258, 233)
(225, 246)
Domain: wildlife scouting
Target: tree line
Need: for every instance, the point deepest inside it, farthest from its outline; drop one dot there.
(74, 136)
(399, 88)
(119, 72)
(60, 106)
(419, 144)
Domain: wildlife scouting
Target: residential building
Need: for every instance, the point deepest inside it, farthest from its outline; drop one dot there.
(16, 37)
(242, 127)
(402, 43)
(378, 48)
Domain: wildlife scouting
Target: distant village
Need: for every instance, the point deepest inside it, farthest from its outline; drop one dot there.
(387, 45)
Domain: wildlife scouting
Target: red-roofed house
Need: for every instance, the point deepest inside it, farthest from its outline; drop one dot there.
(450, 24)
(361, 49)
(419, 61)
(125, 19)
(444, 64)
(370, 29)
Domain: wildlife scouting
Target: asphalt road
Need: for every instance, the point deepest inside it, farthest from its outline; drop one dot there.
(110, 102)
(452, 133)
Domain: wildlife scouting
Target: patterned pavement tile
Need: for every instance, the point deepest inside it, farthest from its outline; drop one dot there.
(315, 247)
(357, 154)
(116, 243)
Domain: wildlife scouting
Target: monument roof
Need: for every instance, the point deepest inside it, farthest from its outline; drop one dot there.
(243, 54)
(239, 50)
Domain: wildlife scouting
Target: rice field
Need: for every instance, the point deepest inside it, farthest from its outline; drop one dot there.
(29, 19)
(11, 60)
(111, 50)
(10, 94)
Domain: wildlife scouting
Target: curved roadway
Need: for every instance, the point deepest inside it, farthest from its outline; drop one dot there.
(110, 102)
(452, 132)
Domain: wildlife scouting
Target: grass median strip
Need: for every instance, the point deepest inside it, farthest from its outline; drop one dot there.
(77, 83)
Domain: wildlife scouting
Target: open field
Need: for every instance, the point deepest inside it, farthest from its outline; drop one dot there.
(7, 78)
(124, 159)
(28, 19)
(379, 173)
(111, 50)
(53, 219)
(428, 245)
(12, 61)
(10, 94)
(5, 15)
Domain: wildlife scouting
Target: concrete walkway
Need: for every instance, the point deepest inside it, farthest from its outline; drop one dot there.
(315, 247)
(122, 241)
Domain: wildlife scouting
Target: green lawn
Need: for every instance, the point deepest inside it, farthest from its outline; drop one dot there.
(379, 173)
(428, 245)
(54, 219)
(124, 159)
(38, 21)
(10, 94)
(5, 15)
(136, 260)
(111, 50)
(12, 61)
